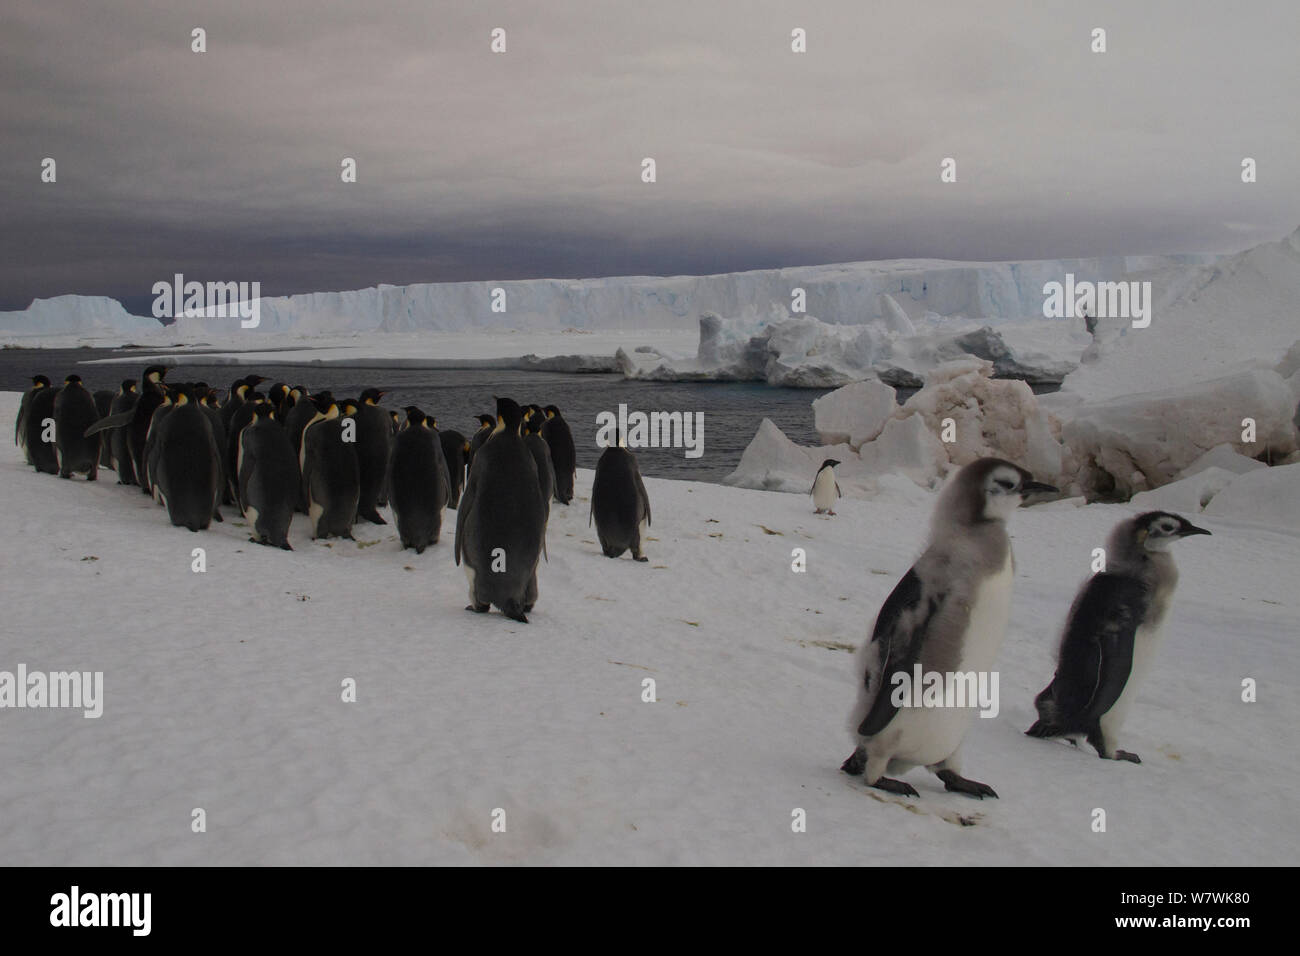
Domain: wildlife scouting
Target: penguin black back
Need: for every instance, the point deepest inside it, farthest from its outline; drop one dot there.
(417, 480)
(620, 506)
(74, 412)
(564, 455)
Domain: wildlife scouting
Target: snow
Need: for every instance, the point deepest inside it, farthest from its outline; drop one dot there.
(1224, 457)
(1270, 496)
(222, 691)
(74, 320)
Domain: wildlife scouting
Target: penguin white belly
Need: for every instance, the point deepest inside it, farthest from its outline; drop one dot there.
(928, 735)
(1145, 642)
(823, 493)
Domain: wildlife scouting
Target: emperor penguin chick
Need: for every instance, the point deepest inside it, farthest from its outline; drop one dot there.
(948, 615)
(1111, 635)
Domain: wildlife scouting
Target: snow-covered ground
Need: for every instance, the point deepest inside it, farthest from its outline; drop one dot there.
(222, 691)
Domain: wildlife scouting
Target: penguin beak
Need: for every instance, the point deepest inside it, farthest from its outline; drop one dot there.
(1038, 487)
(1190, 529)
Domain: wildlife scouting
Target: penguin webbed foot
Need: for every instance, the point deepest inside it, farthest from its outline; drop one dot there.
(958, 784)
(478, 608)
(855, 764)
(1125, 755)
(642, 558)
(889, 785)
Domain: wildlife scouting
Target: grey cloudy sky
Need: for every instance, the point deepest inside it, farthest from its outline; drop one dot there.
(473, 165)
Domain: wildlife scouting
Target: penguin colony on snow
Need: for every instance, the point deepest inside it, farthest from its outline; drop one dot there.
(271, 454)
(338, 460)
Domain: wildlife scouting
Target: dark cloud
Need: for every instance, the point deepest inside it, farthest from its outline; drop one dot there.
(478, 166)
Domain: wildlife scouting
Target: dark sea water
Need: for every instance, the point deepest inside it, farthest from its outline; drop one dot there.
(732, 411)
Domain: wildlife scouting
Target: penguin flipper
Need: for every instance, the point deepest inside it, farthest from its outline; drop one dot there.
(838, 493)
(111, 421)
(1097, 653)
(899, 632)
(462, 512)
(640, 487)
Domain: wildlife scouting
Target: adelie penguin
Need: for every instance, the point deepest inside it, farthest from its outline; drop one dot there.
(331, 478)
(501, 521)
(1111, 635)
(74, 412)
(825, 490)
(948, 615)
(563, 454)
(29, 432)
(417, 482)
(374, 436)
(619, 503)
(268, 478)
(187, 466)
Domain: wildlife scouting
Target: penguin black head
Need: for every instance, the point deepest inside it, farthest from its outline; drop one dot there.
(509, 414)
(154, 374)
(40, 381)
(264, 411)
(348, 407)
(533, 421)
(551, 411)
(828, 463)
(414, 417)
(487, 421)
(72, 380)
(277, 392)
(988, 489)
(1157, 530)
(371, 396)
(323, 402)
(211, 398)
(128, 386)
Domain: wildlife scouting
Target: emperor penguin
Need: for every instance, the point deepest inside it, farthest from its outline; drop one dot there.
(104, 408)
(331, 478)
(417, 482)
(29, 428)
(486, 425)
(619, 503)
(74, 412)
(240, 418)
(501, 521)
(534, 419)
(236, 397)
(374, 441)
(825, 489)
(187, 464)
(123, 400)
(455, 449)
(136, 419)
(1111, 635)
(948, 615)
(563, 454)
(268, 478)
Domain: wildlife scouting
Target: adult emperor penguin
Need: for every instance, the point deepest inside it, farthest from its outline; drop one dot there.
(486, 425)
(331, 478)
(825, 489)
(563, 454)
(417, 482)
(947, 615)
(104, 408)
(455, 449)
(374, 441)
(619, 503)
(534, 419)
(22, 435)
(137, 418)
(74, 412)
(1111, 635)
(123, 401)
(501, 521)
(268, 478)
(240, 418)
(187, 464)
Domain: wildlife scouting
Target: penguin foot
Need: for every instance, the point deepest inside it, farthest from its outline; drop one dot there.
(286, 547)
(890, 785)
(830, 512)
(62, 475)
(374, 517)
(1125, 755)
(959, 784)
(216, 516)
(856, 764)
(478, 608)
(641, 558)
